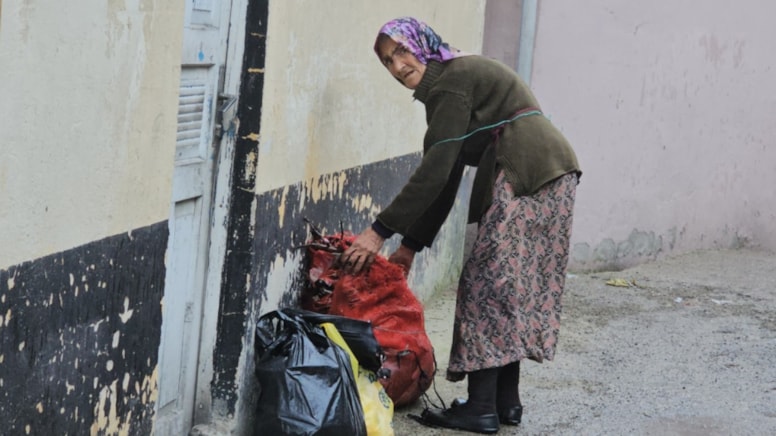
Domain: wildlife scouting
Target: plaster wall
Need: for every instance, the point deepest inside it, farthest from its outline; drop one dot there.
(670, 108)
(325, 133)
(87, 136)
(331, 108)
(87, 120)
(503, 22)
(330, 104)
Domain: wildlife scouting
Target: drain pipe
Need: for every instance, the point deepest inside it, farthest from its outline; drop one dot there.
(527, 38)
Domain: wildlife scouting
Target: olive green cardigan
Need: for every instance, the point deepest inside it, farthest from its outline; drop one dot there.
(461, 96)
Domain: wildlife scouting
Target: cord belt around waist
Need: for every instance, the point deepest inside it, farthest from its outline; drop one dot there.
(496, 132)
(497, 127)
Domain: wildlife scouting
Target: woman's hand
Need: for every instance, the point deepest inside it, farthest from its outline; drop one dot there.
(360, 255)
(403, 257)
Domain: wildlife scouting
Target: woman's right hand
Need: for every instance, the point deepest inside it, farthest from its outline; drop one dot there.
(360, 255)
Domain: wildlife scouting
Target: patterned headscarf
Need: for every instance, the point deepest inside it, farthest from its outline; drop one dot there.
(419, 38)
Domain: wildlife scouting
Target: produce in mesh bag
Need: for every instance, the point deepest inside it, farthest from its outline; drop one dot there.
(380, 295)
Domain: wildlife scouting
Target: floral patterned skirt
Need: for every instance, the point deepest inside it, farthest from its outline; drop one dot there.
(508, 305)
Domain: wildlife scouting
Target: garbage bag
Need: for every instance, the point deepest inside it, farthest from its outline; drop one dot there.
(358, 335)
(305, 381)
(377, 405)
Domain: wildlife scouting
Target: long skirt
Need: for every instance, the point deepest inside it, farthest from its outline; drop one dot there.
(508, 305)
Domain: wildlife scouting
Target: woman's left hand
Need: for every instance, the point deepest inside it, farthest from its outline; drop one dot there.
(360, 255)
(403, 256)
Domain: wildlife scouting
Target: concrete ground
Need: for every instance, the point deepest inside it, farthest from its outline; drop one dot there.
(687, 347)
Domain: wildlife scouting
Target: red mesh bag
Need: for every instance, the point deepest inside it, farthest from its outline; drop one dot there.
(381, 296)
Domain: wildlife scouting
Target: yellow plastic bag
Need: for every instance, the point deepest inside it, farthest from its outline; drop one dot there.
(377, 405)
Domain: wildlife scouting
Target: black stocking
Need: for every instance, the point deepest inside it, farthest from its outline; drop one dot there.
(508, 393)
(482, 392)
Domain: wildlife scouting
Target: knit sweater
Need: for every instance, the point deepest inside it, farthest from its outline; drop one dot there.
(461, 96)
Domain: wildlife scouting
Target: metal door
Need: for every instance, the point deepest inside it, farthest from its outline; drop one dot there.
(202, 64)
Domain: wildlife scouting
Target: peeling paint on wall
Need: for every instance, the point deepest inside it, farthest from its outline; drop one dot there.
(349, 199)
(608, 254)
(80, 332)
(346, 198)
(240, 259)
(643, 246)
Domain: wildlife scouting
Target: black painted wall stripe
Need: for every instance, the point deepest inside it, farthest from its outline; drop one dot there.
(79, 337)
(239, 259)
(276, 236)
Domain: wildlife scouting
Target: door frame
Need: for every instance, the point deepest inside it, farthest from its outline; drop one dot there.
(220, 213)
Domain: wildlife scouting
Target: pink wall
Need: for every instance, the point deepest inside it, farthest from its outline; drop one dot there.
(672, 110)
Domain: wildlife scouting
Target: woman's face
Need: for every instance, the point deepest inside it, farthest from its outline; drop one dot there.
(400, 62)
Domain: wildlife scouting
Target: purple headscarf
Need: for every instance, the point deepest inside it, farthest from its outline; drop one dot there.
(420, 39)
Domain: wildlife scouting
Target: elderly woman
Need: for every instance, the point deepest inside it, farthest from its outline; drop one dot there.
(508, 307)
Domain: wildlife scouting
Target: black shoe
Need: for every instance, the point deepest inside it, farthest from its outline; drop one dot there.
(511, 416)
(447, 418)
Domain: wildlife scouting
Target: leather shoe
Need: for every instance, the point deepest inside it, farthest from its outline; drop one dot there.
(447, 418)
(511, 416)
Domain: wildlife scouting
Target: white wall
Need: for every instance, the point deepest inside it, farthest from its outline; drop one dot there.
(331, 105)
(670, 107)
(87, 120)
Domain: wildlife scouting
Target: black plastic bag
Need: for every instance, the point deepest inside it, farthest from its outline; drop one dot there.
(357, 333)
(306, 385)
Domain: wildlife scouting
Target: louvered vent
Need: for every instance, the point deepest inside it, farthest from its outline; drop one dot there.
(191, 110)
